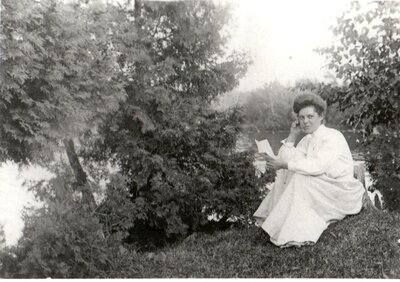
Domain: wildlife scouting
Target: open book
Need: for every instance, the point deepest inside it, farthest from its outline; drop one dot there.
(263, 146)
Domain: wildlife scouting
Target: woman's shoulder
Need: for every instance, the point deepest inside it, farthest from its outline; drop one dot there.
(332, 133)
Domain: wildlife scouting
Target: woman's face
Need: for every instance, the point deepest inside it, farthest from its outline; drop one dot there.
(309, 119)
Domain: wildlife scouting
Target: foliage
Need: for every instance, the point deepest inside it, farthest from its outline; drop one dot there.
(63, 240)
(269, 108)
(190, 175)
(368, 241)
(383, 163)
(2, 237)
(366, 59)
(176, 153)
(58, 74)
(69, 66)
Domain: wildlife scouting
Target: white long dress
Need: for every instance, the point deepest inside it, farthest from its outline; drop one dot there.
(318, 188)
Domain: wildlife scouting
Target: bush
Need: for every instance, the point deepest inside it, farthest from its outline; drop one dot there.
(64, 240)
(383, 163)
(176, 153)
(180, 176)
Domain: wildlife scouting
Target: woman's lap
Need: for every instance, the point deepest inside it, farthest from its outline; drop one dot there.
(301, 207)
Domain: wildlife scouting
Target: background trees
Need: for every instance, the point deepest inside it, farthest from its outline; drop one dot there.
(2, 237)
(269, 108)
(366, 59)
(106, 86)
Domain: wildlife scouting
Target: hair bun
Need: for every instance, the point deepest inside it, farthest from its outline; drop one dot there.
(309, 99)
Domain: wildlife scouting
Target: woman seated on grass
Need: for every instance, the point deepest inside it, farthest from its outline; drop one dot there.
(315, 184)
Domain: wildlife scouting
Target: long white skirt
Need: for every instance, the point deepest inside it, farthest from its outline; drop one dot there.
(300, 207)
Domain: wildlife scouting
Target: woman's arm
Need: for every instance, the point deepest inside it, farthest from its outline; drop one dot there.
(328, 152)
(288, 151)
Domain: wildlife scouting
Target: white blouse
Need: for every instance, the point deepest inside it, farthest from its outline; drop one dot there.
(325, 151)
(317, 189)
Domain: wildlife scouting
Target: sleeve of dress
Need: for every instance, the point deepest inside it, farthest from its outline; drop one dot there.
(289, 152)
(327, 154)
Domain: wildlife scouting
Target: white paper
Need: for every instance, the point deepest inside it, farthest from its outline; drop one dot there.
(263, 146)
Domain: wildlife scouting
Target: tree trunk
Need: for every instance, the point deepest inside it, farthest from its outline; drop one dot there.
(138, 9)
(80, 175)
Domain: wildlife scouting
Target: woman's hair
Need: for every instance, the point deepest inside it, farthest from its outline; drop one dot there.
(309, 99)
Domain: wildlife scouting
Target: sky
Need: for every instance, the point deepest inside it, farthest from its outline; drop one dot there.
(279, 35)
(14, 195)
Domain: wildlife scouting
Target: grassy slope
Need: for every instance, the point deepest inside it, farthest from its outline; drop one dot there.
(363, 246)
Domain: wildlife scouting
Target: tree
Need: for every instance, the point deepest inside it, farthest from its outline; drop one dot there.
(175, 152)
(175, 156)
(59, 78)
(2, 237)
(2, 246)
(366, 59)
(269, 108)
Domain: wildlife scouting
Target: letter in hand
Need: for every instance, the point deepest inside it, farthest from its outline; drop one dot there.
(275, 163)
(263, 146)
(265, 153)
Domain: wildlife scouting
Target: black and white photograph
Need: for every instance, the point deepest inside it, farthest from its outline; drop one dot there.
(193, 139)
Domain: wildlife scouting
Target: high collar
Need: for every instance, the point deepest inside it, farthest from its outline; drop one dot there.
(318, 132)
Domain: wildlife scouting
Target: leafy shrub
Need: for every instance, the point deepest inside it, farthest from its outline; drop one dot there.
(191, 173)
(176, 153)
(63, 240)
(383, 163)
(176, 156)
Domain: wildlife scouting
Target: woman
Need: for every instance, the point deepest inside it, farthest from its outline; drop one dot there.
(315, 184)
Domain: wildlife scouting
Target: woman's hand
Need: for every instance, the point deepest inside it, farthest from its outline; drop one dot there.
(273, 163)
(295, 131)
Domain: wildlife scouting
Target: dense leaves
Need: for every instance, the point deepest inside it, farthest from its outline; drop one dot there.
(136, 93)
(63, 240)
(177, 153)
(366, 59)
(57, 75)
(2, 237)
(188, 176)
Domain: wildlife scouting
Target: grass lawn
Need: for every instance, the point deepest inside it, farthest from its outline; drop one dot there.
(361, 246)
